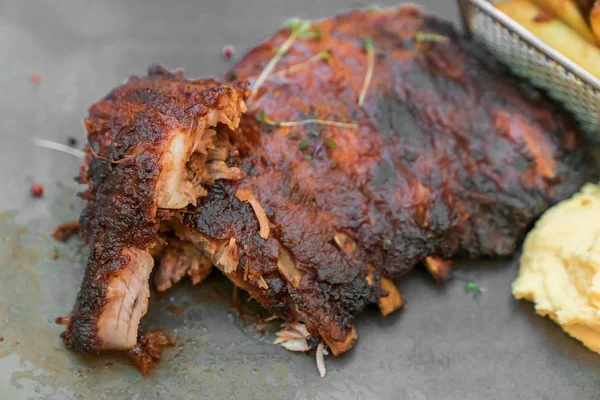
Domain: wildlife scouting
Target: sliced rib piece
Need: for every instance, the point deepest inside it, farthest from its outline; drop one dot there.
(141, 138)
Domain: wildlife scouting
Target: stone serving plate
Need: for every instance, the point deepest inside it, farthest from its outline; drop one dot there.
(444, 345)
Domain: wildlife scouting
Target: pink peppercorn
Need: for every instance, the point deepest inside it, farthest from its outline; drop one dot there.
(227, 51)
(37, 190)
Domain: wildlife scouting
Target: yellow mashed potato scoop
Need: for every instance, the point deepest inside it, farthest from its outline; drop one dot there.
(560, 266)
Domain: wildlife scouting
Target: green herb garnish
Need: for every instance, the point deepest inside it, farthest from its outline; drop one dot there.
(368, 44)
(298, 28)
(311, 33)
(304, 29)
(322, 56)
(261, 117)
(297, 24)
(303, 145)
(430, 37)
(471, 287)
(264, 119)
(370, 49)
(59, 147)
(329, 142)
(280, 52)
(308, 157)
(293, 23)
(326, 55)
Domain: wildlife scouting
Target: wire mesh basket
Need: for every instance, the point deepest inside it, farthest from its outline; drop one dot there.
(531, 58)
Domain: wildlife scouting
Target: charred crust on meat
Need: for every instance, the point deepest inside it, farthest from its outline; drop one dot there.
(451, 158)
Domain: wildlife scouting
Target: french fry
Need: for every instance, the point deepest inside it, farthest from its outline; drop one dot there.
(568, 11)
(595, 19)
(554, 32)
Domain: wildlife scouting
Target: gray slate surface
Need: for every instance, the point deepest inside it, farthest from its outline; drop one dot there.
(444, 345)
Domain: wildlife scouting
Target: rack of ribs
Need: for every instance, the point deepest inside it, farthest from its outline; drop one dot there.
(380, 141)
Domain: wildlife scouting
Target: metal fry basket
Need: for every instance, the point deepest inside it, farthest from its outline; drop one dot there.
(531, 58)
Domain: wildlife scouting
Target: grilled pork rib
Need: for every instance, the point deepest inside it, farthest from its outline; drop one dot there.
(142, 139)
(318, 198)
